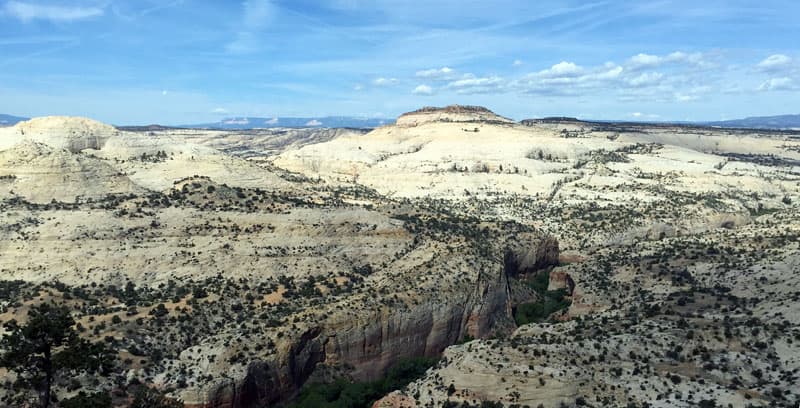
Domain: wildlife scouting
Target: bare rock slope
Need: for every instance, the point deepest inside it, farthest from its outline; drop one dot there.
(71, 133)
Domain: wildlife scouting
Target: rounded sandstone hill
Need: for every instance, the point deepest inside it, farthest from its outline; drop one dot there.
(41, 173)
(61, 132)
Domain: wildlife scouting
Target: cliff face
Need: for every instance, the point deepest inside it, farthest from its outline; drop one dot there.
(269, 382)
(373, 342)
(523, 260)
(425, 330)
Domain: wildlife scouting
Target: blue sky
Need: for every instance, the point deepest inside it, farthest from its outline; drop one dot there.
(173, 62)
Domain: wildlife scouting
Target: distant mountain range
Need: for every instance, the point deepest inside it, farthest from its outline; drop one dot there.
(761, 122)
(10, 120)
(326, 122)
(756, 122)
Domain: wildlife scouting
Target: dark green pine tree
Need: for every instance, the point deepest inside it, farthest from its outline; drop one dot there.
(151, 398)
(48, 346)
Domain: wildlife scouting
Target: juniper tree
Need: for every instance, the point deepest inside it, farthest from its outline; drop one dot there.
(47, 346)
(151, 398)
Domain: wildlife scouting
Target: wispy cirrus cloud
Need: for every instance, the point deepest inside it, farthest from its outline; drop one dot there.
(29, 11)
(132, 12)
(384, 81)
(256, 15)
(778, 84)
(36, 40)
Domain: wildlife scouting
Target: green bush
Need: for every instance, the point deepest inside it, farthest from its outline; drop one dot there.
(344, 394)
(84, 400)
(551, 301)
(152, 398)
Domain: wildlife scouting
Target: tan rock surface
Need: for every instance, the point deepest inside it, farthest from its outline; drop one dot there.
(324, 255)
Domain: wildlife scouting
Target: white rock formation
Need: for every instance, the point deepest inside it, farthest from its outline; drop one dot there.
(72, 133)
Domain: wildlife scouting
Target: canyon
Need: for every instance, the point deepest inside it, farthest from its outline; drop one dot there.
(547, 262)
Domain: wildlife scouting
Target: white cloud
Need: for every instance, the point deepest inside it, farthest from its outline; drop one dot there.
(682, 57)
(682, 97)
(358, 87)
(678, 80)
(609, 72)
(680, 77)
(646, 79)
(256, 14)
(640, 115)
(422, 90)
(220, 111)
(774, 63)
(517, 63)
(441, 74)
(384, 81)
(642, 61)
(567, 78)
(562, 69)
(29, 11)
(471, 84)
(313, 122)
(777, 84)
(691, 94)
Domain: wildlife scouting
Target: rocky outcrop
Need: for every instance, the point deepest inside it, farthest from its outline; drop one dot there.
(561, 280)
(469, 109)
(372, 343)
(425, 330)
(550, 120)
(267, 383)
(452, 113)
(41, 173)
(523, 260)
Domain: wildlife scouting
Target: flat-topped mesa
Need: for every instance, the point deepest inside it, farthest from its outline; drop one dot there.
(62, 132)
(550, 120)
(452, 113)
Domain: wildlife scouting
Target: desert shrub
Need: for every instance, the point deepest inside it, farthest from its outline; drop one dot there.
(553, 301)
(341, 393)
(150, 398)
(84, 400)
